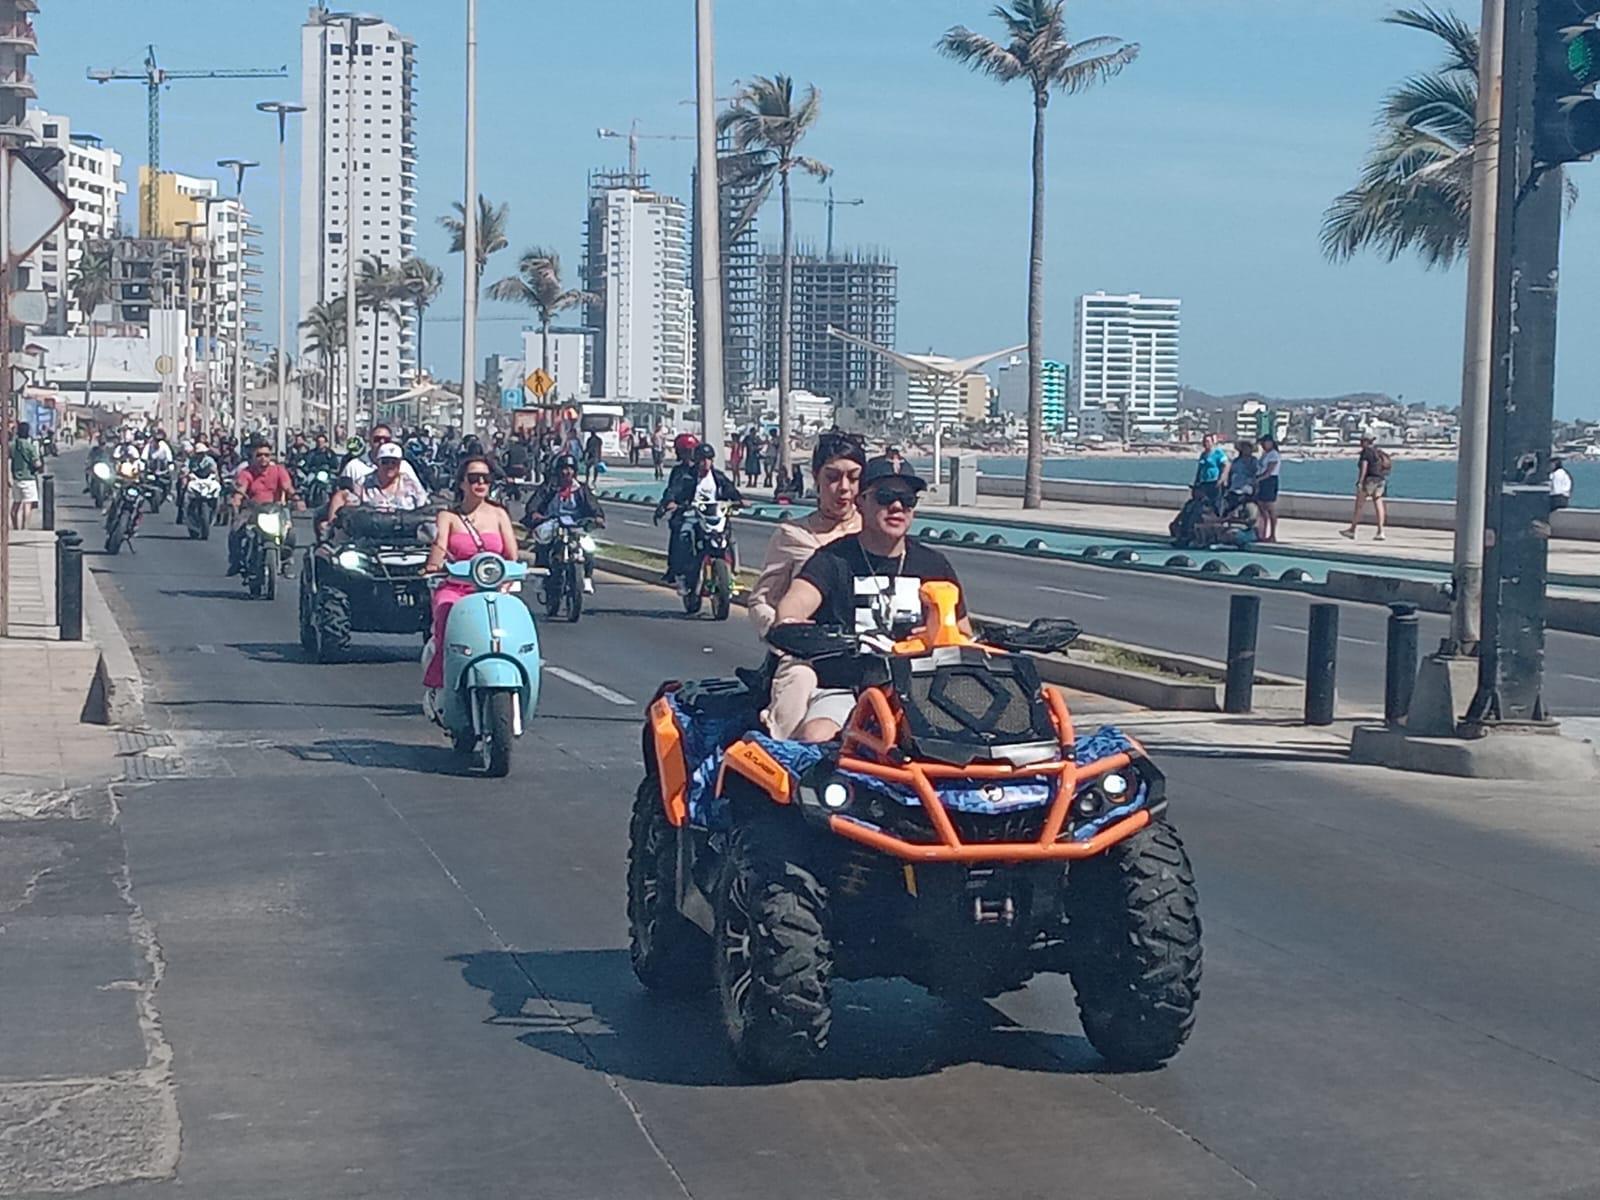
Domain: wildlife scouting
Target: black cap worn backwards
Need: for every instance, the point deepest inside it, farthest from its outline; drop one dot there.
(883, 467)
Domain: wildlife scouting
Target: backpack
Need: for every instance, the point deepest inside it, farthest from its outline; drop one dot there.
(1385, 463)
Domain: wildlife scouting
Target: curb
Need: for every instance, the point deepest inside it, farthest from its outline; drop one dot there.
(116, 696)
(1519, 756)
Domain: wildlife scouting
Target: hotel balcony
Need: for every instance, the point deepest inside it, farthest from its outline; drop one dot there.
(20, 34)
(20, 82)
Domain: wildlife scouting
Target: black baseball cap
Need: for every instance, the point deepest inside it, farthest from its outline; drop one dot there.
(881, 468)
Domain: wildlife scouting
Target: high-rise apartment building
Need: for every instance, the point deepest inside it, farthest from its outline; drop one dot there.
(922, 396)
(856, 292)
(358, 95)
(89, 173)
(18, 43)
(1011, 386)
(1055, 416)
(636, 263)
(1127, 361)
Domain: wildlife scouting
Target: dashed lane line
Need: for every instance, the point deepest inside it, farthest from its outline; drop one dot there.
(589, 685)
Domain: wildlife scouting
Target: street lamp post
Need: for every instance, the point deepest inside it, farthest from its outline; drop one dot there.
(188, 228)
(282, 110)
(939, 375)
(708, 229)
(469, 238)
(240, 166)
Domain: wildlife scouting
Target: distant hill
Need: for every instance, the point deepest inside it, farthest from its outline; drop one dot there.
(1193, 397)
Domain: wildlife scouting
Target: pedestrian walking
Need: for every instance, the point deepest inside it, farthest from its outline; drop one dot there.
(26, 463)
(1268, 470)
(1560, 485)
(658, 450)
(752, 456)
(1372, 483)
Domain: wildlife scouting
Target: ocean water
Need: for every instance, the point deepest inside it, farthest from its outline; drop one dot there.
(1416, 480)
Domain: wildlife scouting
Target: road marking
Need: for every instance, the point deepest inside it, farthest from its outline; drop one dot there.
(1342, 637)
(1579, 678)
(1061, 591)
(589, 685)
(206, 649)
(640, 524)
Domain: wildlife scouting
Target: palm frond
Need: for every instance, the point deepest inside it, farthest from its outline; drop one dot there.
(1074, 74)
(1443, 104)
(1460, 39)
(982, 54)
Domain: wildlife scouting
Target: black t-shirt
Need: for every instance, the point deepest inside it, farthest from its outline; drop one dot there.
(859, 589)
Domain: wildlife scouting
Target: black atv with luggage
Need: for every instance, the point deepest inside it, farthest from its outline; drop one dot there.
(365, 576)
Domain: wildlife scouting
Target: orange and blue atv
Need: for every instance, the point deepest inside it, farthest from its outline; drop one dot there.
(958, 833)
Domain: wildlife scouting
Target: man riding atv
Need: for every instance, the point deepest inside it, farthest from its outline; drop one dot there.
(563, 496)
(867, 582)
(696, 480)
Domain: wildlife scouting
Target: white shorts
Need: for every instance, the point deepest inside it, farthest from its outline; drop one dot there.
(25, 491)
(831, 704)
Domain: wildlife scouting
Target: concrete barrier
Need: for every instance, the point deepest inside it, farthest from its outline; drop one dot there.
(1579, 524)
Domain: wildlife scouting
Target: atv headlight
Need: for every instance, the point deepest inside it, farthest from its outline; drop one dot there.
(351, 560)
(270, 523)
(835, 794)
(1115, 785)
(426, 532)
(488, 571)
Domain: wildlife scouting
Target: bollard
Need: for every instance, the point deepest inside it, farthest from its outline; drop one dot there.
(1322, 653)
(47, 501)
(1244, 615)
(1400, 663)
(69, 585)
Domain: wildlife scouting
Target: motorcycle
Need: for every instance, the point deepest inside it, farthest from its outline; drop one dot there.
(230, 485)
(715, 559)
(491, 665)
(125, 503)
(157, 484)
(315, 488)
(262, 553)
(199, 505)
(567, 546)
(99, 483)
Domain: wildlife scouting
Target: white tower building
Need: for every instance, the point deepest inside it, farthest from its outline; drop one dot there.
(90, 174)
(380, 219)
(1127, 362)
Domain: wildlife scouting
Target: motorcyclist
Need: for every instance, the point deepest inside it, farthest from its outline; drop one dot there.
(564, 495)
(868, 583)
(320, 458)
(295, 456)
(261, 482)
(158, 460)
(683, 446)
(386, 488)
(699, 482)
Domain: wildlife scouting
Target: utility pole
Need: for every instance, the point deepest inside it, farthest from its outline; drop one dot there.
(282, 111)
(708, 229)
(1528, 241)
(239, 166)
(469, 239)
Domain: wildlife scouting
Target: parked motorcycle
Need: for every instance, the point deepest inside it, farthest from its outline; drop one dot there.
(715, 559)
(263, 550)
(491, 665)
(199, 504)
(124, 505)
(567, 545)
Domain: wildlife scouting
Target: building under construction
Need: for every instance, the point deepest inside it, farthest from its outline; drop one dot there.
(856, 291)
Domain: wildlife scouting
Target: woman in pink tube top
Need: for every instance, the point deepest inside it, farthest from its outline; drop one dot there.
(474, 525)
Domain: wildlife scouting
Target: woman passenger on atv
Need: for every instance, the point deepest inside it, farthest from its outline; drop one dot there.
(474, 525)
(868, 583)
(386, 488)
(836, 465)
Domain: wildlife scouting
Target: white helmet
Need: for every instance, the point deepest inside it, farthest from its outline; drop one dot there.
(201, 448)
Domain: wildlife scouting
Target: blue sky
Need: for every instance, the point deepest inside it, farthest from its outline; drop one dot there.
(1201, 172)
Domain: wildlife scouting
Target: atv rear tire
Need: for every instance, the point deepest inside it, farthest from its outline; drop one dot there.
(1133, 945)
(773, 962)
(331, 616)
(669, 953)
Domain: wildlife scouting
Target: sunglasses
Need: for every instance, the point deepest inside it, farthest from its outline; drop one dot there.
(478, 477)
(885, 496)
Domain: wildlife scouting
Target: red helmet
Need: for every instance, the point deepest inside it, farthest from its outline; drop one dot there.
(685, 444)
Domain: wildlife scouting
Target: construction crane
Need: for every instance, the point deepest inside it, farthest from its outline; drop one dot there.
(831, 203)
(633, 135)
(153, 77)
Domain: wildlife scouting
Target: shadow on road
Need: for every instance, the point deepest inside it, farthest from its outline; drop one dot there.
(233, 593)
(647, 614)
(586, 1007)
(378, 754)
(364, 653)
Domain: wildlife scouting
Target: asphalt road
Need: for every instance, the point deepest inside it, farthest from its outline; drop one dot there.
(1185, 616)
(384, 979)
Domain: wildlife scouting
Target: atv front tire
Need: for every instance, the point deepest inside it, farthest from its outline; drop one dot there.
(331, 617)
(669, 953)
(773, 961)
(1133, 943)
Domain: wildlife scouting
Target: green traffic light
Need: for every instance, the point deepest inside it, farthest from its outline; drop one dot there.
(1583, 58)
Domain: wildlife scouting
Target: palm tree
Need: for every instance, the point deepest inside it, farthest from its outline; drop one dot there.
(380, 289)
(324, 326)
(1038, 51)
(91, 287)
(767, 124)
(423, 281)
(537, 284)
(1415, 190)
(491, 229)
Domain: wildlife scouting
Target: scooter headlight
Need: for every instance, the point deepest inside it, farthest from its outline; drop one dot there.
(270, 523)
(488, 571)
(351, 560)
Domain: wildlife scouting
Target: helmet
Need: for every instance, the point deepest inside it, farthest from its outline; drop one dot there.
(355, 445)
(705, 452)
(201, 448)
(685, 443)
(564, 462)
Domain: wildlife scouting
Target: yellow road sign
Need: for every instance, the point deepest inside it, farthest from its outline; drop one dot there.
(539, 382)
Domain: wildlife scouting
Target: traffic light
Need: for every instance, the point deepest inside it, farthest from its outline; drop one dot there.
(1566, 125)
